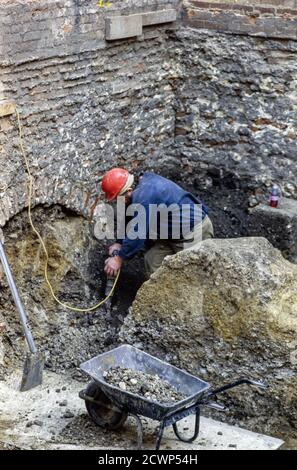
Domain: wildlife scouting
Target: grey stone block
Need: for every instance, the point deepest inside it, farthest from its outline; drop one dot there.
(158, 17)
(278, 225)
(6, 107)
(120, 27)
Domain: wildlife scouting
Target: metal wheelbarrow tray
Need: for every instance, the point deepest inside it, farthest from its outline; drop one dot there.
(109, 406)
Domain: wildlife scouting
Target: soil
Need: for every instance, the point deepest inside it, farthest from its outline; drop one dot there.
(83, 430)
(67, 338)
(227, 199)
(149, 386)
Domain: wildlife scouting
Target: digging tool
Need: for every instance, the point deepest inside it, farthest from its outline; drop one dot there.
(34, 361)
(109, 289)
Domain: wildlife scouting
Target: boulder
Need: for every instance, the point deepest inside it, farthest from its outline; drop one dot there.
(225, 310)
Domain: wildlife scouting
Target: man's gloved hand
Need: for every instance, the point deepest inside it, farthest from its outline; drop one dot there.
(113, 265)
(115, 246)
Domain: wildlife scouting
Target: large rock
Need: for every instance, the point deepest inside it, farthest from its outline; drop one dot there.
(225, 310)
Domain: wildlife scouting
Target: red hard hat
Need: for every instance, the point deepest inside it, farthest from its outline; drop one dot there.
(113, 182)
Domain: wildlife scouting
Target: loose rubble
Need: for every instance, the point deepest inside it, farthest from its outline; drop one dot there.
(149, 386)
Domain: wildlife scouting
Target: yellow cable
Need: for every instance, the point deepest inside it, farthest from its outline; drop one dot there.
(30, 193)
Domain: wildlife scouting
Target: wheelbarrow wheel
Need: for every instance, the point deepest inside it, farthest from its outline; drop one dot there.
(105, 417)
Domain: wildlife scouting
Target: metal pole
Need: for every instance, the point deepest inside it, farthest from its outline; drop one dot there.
(17, 300)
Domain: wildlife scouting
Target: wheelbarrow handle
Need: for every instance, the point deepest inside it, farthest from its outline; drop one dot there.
(242, 381)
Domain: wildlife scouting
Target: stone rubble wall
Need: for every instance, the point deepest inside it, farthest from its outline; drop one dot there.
(237, 99)
(237, 106)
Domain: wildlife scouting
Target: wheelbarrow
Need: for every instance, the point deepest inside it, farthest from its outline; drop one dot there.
(109, 406)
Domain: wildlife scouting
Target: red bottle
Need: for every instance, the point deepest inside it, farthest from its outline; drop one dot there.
(274, 196)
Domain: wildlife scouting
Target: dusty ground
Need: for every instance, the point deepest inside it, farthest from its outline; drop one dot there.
(53, 417)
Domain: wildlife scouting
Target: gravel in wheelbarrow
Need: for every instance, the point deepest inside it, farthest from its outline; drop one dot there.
(146, 385)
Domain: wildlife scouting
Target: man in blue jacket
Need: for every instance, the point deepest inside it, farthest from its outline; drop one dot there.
(166, 215)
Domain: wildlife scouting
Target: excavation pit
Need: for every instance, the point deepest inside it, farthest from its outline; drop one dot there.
(210, 104)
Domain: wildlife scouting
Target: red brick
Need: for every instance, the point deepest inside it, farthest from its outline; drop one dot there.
(241, 7)
(265, 9)
(221, 6)
(286, 11)
(201, 4)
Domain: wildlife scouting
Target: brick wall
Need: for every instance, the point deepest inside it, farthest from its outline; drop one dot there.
(86, 104)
